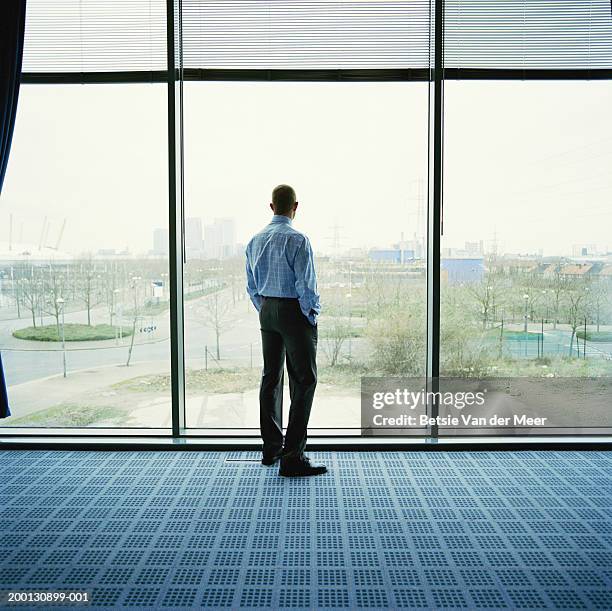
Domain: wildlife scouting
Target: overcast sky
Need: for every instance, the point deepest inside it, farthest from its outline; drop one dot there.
(527, 162)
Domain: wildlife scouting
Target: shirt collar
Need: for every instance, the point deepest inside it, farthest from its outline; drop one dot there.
(281, 218)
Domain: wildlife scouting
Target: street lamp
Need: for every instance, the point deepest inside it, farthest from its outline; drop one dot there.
(134, 285)
(350, 306)
(40, 294)
(526, 298)
(60, 304)
(114, 314)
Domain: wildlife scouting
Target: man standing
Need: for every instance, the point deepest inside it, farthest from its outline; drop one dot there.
(282, 284)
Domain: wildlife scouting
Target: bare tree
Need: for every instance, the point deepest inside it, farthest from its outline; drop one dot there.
(216, 316)
(337, 331)
(375, 290)
(576, 312)
(110, 290)
(87, 285)
(485, 293)
(30, 289)
(16, 291)
(598, 297)
(558, 287)
(54, 284)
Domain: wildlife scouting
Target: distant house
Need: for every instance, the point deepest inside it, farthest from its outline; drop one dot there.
(525, 266)
(549, 270)
(576, 270)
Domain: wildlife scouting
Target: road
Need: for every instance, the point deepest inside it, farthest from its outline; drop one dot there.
(27, 360)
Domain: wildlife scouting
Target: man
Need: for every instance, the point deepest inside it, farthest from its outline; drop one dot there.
(282, 284)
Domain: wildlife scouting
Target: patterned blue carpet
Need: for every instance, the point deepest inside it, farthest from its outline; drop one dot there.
(472, 530)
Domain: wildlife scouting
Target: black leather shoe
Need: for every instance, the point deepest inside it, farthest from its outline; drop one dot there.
(302, 467)
(269, 460)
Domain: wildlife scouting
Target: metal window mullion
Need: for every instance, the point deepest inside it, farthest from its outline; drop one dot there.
(175, 233)
(434, 208)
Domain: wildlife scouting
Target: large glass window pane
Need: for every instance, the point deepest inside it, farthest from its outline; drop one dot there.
(357, 156)
(526, 258)
(84, 258)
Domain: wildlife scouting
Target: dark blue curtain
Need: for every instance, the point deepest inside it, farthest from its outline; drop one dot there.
(12, 26)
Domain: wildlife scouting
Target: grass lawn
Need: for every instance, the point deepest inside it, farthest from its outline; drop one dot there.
(215, 381)
(558, 366)
(219, 381)
(153, 309)
(73, 332)
(68, 414)
(331, 333)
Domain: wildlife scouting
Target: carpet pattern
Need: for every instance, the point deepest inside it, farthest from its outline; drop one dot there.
(399, 530)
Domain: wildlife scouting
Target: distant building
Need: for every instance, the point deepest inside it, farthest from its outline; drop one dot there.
(416, 244)
(220, 239)
(471, 250)
(193, 236)
(525, 266)
(227, 228)
(356, 253)
(460, 270)
(114, 253)
(22, 251)
(240, 249)
(211, 242)
(391, 255)
(584, 250)
(161, 239)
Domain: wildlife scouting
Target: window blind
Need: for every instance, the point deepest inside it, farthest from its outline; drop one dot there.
(299, 34)
(536, 34)
(94, 35)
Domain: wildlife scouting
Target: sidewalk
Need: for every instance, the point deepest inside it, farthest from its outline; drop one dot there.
(83, 385)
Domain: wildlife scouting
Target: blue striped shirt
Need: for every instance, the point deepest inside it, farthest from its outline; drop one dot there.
(280, 263)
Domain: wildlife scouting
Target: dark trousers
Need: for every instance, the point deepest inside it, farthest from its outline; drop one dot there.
(286, 333)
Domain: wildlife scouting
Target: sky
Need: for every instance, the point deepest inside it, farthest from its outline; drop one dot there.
(525, 162)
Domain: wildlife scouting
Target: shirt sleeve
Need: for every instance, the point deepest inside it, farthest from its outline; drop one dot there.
(306, 282)
(251, 286)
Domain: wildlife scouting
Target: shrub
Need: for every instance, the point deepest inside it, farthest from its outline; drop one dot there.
(73, 332)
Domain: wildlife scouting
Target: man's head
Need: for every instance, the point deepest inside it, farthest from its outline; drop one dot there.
(284, 201)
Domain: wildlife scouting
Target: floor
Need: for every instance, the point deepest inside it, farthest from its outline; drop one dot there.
(428, 530)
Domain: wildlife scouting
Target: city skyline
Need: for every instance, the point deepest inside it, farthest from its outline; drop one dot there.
(399, 251)
(537, 182)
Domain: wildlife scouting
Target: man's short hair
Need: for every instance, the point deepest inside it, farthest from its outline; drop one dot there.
(283, 199)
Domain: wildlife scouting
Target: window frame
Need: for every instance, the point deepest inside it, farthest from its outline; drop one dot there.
(174, 77)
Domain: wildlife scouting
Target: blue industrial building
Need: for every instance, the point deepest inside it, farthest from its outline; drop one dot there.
(459, 270)
(391, 255)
